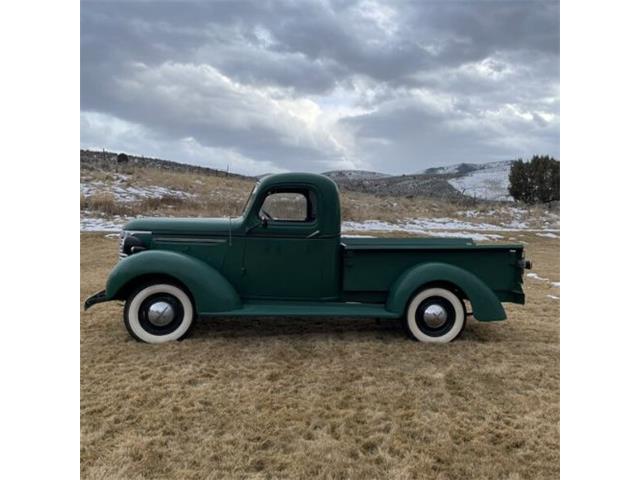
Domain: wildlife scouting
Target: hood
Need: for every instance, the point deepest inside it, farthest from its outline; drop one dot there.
(194, 226)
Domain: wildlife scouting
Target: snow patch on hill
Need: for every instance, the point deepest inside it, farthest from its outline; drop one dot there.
(128, 193)
(490, 182)
(90, 223)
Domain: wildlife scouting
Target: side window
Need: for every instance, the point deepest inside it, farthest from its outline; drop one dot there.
(288, 207)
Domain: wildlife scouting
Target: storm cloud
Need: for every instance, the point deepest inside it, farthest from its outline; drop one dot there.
(272, 86)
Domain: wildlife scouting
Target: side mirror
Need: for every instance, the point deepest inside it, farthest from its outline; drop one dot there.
(264, 222)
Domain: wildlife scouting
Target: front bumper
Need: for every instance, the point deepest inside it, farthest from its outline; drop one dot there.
(98, 297)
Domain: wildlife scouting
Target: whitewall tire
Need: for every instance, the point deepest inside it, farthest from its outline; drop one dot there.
(158, 313)
(435, 315)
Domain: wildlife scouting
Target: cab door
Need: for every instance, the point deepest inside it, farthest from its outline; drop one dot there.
(285, 255)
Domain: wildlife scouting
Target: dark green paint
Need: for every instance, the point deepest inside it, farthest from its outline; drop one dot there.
(242, 267)
(486, 305)
(216, 293)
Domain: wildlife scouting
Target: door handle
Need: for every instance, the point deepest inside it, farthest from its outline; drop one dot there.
(311, 235)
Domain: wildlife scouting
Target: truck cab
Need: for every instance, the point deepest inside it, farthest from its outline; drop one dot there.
(285, 256)
(292, 239)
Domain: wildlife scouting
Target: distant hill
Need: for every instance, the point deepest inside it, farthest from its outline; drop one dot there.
(464, 168)
(400, 185)
(108, 160)
(337, 175)
(489, 181)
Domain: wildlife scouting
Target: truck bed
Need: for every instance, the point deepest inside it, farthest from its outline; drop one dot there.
(371, 265)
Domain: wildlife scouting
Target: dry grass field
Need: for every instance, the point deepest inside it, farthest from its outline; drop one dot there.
(332, 398)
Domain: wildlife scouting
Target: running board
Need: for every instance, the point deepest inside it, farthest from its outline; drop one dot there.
(307, 309)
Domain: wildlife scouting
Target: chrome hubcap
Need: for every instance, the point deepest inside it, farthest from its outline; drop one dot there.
(434, 316)
(161, 313)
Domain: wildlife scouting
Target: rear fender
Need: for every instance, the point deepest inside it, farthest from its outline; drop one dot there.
(211, 292)
(485, 304)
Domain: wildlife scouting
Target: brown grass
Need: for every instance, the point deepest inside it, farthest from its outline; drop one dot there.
(104, 202)
(330, 398)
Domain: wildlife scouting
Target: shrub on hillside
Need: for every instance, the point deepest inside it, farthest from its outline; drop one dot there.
(536, 181)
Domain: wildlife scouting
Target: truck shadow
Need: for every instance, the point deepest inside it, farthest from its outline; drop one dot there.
(295, 326)
(333, 327)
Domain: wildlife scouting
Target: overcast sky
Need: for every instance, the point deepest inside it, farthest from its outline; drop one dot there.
(265, 86)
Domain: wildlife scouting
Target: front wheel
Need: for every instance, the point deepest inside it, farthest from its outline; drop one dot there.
(435, 315)
(158, 313)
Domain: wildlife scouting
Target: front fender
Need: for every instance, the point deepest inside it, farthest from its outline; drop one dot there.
(486, 306)
(211, 292)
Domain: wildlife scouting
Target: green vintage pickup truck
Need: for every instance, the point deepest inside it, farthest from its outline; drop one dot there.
(285, 256)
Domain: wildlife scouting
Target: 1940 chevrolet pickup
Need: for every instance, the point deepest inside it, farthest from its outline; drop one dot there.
(285, 256)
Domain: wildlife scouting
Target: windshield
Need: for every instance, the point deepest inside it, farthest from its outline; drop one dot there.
(250, 199)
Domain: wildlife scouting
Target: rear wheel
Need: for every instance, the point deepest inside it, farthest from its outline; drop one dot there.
(158, 313)
(435, 315)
